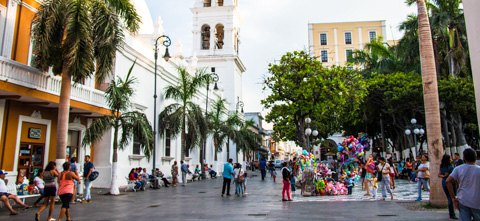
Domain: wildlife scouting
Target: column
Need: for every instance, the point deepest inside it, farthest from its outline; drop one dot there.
(9, 28)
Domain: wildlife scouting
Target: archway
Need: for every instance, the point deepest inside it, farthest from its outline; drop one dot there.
(205, 41)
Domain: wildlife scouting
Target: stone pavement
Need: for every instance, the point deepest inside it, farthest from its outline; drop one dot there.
(202, 200)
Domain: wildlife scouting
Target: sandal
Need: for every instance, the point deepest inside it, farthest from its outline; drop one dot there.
(14, 213)
(27, 207)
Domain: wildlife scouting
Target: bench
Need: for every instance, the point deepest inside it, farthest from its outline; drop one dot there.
(12, 189)
(131, 185)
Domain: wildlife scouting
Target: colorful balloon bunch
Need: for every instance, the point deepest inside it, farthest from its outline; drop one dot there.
(351, 148)
(363, 140)
(307, 161)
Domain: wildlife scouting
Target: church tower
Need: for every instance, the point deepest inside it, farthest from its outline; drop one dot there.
(216, 28)
(216, 45)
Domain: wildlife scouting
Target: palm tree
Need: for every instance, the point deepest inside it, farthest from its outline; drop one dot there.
(222, 126)
(185, 114)
(432, 108)
(77, 38)
(131, 124)
(247, 140)
(377, 57)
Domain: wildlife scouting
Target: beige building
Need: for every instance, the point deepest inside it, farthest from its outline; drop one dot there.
(333, 43)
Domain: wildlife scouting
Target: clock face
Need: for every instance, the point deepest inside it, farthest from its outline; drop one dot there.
(34, 133)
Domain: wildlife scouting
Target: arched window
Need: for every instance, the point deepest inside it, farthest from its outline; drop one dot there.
(219, 2)
(219, 35)
(205, 37)
(207, 3)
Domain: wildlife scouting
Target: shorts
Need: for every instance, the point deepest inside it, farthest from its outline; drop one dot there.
(49, 191)
(75, 182)
(5, 194)
(362, 180)
(66, 199)
(392, 174)
(368, 176)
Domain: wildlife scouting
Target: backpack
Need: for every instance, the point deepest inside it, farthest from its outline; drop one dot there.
(241, 178)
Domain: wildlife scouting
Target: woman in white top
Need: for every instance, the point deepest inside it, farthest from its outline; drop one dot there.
(40, 184)
(239, 179)
(422, 180)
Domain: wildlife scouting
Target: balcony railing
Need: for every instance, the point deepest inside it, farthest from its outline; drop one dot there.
(20, 74)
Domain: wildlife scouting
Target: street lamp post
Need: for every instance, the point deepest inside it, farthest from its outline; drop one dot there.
(239, 105)
(167, 42)
(215, 87)
(417, 130)
(308, 132)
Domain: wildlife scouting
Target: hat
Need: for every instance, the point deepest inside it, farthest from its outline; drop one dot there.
(2, 172)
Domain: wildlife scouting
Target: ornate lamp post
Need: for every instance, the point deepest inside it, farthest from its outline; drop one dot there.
(167, 42)
(215, 78)
(417, 130)
(308, 132)
(239, 105)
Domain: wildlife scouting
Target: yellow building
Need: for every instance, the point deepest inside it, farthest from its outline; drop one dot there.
(29, 99)
(333, 43)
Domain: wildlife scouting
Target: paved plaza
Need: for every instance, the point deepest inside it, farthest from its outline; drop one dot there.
(202, 200)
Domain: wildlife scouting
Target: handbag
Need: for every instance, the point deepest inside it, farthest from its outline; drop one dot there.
(426, 174)
(241, 178)
(93, 175)
(380, 175)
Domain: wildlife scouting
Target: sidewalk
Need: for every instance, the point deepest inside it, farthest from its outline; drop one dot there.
(202, 200)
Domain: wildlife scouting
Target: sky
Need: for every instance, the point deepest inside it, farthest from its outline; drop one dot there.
(273, 27)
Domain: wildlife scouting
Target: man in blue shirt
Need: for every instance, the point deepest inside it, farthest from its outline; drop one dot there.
(263, 168)
(184, 169)
(87, 170)
(227, 176)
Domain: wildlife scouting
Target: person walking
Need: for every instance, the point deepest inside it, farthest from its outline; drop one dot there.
(227, 176)
(239, 179)
(184, 169)
(409, 166)
(370, 166)
(393, 173)
(65, 189)
(446, 169)
(383, 171)
(174, 172)
(423, 175)
(286, 174)
(263, 168)
(50, 191)
(87, 171)
(74, 169)
(468, 175)
(363, 173)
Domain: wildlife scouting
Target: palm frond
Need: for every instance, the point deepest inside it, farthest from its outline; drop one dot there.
(96, 130)
(136, 125)
(127, 11)
(171, 119)
(120, 92)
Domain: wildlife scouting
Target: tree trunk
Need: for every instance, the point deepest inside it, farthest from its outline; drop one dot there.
(114, 184)
(432, 107)
(63, 118)
(461, 140)
(216, 149)
(228, 149)
(454, 139)
(183, 145)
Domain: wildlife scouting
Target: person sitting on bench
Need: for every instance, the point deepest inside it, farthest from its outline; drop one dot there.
(5, 196)
(212, 172)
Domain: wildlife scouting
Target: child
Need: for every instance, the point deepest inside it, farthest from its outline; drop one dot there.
(292, 181)
(274, 174)
(350, 184)
(373, 185)
(245, 185)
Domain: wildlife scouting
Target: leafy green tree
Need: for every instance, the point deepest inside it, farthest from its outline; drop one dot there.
(78, 39)
(126, 124)
(185, 114)
(247, 140)
(300, 88)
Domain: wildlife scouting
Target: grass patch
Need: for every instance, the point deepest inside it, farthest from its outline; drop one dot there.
(430, 206)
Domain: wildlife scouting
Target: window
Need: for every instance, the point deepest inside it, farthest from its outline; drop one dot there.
(349, 55)
(205, 37)
(136, 146)
(167, 143)
(324, 56)
(350, 68)
(373, 35)
(73, 143)
(323, 39)
(219, 35)
(220, 2)
(207, 3)
(348, 38)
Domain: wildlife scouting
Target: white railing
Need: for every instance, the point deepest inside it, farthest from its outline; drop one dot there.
(18, 73)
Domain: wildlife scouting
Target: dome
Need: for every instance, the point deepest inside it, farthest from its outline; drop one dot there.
(142, 10)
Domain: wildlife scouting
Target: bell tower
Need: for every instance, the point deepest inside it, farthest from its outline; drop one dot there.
(216, 43)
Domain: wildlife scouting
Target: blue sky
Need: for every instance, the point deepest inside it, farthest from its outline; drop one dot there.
(273, 27)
